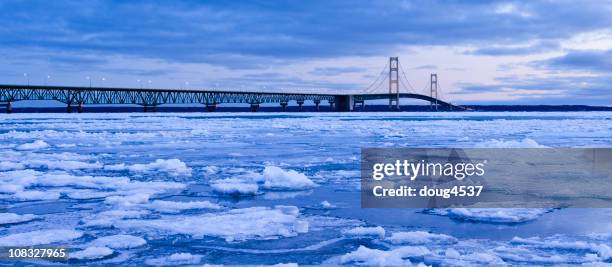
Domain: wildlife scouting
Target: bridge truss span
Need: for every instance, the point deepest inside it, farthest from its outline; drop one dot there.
(149, 97)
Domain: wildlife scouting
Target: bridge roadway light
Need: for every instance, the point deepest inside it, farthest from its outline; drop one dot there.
(89, 78)
(27, 78)
(149, 81)
(139, 83)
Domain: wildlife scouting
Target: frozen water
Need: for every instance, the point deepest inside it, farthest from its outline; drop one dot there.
(266, 189)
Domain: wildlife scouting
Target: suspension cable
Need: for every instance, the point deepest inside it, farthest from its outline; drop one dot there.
(405, 78)
(376, 80)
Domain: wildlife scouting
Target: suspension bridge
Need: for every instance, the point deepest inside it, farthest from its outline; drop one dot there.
(391, 84)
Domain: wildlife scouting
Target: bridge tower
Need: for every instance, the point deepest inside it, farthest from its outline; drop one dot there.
(433, 91)
(394, 83)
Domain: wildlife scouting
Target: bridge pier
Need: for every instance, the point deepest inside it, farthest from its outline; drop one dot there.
(149, 108)
(359, 105)
(68, 108)
(317, 102)
(80, 108)
(332, 105)
(8, 105)
(300, 105)
(210, 107)
(344, 102)
(284, 106)
(254, 107)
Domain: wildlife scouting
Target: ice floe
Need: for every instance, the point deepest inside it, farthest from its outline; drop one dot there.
(39, 237)
(275, 177)
(524, 143)
(374, 257)
(272, 178)
(173, 167)
(491, 215)
(233, 186)
(10, 218)
(91, 253)
(420, 238)
(366, 231)
(177, 206)
(38, 144)
(119, 242)
(175, 259)
(233, 225)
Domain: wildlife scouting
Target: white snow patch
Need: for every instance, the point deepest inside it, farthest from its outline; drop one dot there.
(420, 238)
(38, 144)
(8, 218)
(91, 253)
(40, 237)
(237, 224)
(119, 242)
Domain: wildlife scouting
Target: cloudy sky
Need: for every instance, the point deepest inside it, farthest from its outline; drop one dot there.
(529, 52)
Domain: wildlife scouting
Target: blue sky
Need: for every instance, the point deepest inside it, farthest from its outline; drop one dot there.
(502, 52)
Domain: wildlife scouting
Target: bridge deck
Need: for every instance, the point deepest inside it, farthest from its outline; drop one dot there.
(75, 95)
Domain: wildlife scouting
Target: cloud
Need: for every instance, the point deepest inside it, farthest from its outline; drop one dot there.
(589, 60)
(539, 47)
(194, 31)
(426, 67)
(594, 90)
(333, 71)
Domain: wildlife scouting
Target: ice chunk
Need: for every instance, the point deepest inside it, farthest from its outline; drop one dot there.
(173, 167)
(325, 204)
(235, 187)
(603, 250)
(525, 143)
(237, 224)
(108, 218)
(36, 195)
(491, 215)
(175, 259)
(420, 238)
(8, 165)
(375, 257)
(8, 218)
(175, 206)
(366, 231)
(275, 177)
(127, 201)
(119, 242)
(38, 144)
(40, 237)
(91, 253)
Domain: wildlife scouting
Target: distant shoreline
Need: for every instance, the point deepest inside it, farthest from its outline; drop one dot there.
(369, 108)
